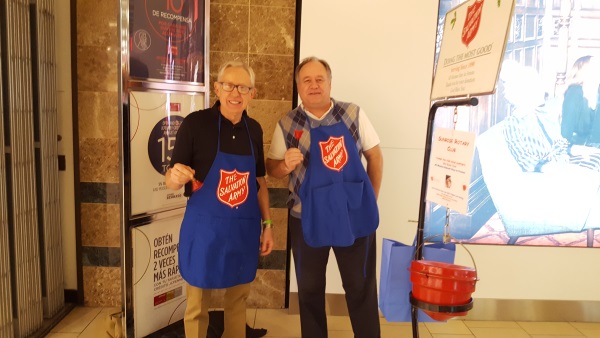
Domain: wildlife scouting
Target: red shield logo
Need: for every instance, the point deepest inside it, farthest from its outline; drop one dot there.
(471, 26)
(233, 187)
(334, 153)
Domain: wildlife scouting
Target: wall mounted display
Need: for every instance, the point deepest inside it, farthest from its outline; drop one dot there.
(155, 118)
(158, 288)
(167, 40)
(535, 178)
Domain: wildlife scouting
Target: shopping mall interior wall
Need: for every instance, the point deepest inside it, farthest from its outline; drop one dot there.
(382, 55)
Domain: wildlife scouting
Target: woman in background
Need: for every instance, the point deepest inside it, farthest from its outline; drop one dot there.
(580, 123)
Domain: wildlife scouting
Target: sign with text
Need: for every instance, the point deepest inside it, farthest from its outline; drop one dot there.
(155, 118)
(167, 40)
(450, 168)
(473, 44)
(158, 288)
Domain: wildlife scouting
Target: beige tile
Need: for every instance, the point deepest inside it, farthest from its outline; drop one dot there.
(491, 324)
(338, 323)
(403, 330)
(278, 323)
(451, 326)
(451, 335)
(274, 3)
(77, 320)
(549, 328)
(62, 335)
(495, 332)
(268, 290)
(590, 330)
(102, 286)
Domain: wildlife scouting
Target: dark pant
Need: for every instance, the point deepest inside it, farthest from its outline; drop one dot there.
(357, 269)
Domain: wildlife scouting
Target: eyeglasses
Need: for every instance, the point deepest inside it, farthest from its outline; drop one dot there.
(229, 87)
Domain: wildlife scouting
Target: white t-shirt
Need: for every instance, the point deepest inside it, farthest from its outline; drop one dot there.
(367, 134)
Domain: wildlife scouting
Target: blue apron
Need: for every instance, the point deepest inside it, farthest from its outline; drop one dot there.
(219, 239)
(338, 201)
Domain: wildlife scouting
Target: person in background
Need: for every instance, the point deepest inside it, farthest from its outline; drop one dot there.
(333, 199)
(218, 157)
(530, 137)
(580, 121)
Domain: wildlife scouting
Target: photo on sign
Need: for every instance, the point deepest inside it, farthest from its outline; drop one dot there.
(535, 178)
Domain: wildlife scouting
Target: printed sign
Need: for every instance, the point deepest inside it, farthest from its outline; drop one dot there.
(473, 44)
(167, 40)
(450, 168)
(334, 153)
(233, 188)
(158, 288)
(154, 122)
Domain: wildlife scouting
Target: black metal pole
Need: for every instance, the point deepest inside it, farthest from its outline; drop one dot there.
(471, 101)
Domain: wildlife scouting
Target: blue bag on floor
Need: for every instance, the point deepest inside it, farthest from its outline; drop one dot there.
(394, 280)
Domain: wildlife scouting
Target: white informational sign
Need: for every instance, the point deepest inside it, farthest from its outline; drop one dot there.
(155, 118)
(158, 289)
(473, 44)
(450, 168)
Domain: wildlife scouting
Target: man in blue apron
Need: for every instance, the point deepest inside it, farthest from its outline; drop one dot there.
(218, 157)
(333, 199)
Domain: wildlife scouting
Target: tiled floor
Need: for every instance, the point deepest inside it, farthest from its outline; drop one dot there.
(93, 322)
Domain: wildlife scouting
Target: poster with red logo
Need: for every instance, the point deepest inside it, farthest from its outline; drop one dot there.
(473, 43)
(167, 40)
(154, 119)
(450, 168)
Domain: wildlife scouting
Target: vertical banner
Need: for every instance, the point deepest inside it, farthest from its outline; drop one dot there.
(158, 288)
(450, 168)
(167, 40)
(154, 121)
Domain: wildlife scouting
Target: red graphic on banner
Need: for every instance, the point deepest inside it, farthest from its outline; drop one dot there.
(334, 153)
(471, 26)
(233, 188)
(173, 106)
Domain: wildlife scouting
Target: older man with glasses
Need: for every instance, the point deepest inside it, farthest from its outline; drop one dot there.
(219, 158)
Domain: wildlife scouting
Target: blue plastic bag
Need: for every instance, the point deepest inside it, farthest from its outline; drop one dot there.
(394, 280)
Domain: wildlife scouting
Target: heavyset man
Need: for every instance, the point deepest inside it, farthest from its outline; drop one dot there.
(333, 199)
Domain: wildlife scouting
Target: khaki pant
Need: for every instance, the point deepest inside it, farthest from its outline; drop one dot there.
(196, 311)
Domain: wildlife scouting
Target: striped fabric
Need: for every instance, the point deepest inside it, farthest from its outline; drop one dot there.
(532, 147)
(297, 120)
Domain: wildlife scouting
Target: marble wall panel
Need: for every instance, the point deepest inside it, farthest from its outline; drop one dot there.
(100, 225)
(99, 160)
(274, 76)
(97, 25)
(102, 286)
(272, 30)
(99, 115)
(268, 113)
(97, 68)
(229, 27)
